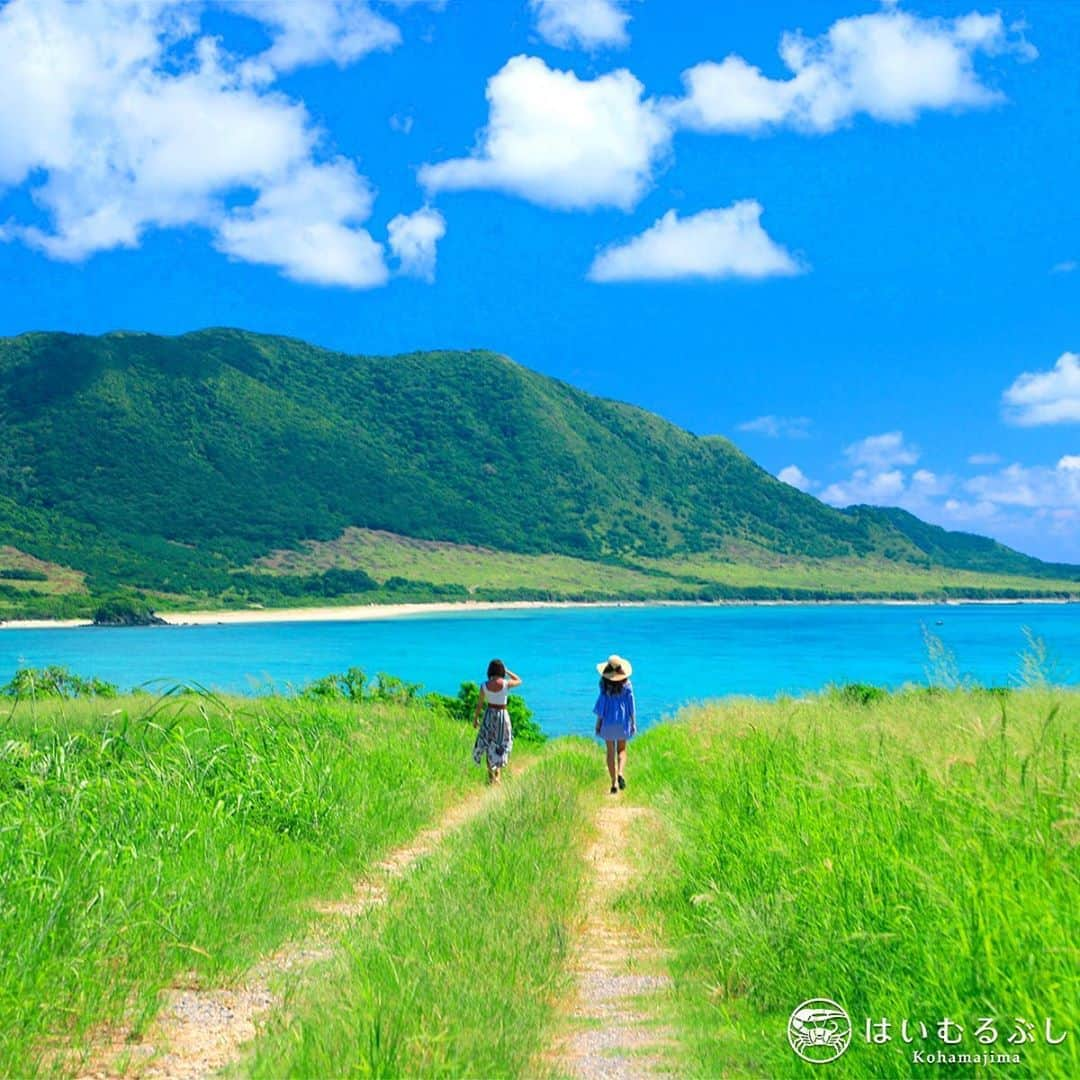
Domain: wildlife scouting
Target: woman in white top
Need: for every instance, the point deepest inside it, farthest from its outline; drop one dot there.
(495, 737)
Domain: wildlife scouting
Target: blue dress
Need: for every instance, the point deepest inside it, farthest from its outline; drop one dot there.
(616, 713)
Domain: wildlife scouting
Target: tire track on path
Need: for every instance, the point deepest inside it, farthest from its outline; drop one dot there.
(198, 1032)
(611, 1028)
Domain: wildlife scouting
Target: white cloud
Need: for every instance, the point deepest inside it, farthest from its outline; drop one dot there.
(413, 238)
(890, 65)
(879, 452)
(1035, 487)
(590, 24)
(878, 476)
(315, 31)
(731, 96)
(925, 484)
(560, 141)
(1065, 267)
(1032, 508)
(124, 145)
(793, 475)
(306, 32)
(776, 427)
(573, 144)
(713, 244)
(303, 226)
(889, 487)
(1048, 532)
(123, 117)
(984, 459)
(972, 514)
(1035, 509)
(1045, 397)
(866, 486)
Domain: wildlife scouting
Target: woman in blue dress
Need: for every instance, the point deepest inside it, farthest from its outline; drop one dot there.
(615, 719)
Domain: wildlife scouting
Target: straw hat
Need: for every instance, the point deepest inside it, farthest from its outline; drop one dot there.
(615, 668)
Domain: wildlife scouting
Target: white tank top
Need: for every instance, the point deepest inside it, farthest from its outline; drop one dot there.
(496, 697)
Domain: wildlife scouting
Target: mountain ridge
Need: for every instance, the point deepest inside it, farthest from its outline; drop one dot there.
(247, 443)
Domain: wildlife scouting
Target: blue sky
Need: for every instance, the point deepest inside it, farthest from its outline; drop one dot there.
(860, 259)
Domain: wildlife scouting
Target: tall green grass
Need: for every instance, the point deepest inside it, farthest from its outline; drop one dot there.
(909, 856)
(141, 839)
(459, 974)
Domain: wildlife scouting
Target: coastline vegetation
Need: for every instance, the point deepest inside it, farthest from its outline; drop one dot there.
(252, 449)
(366, 567)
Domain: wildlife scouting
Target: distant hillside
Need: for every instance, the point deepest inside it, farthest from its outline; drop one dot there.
(961, 550)
(170, 464)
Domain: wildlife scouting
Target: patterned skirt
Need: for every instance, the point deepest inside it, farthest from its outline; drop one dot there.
(495, 738)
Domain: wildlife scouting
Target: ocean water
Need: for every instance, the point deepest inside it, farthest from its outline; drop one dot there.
(679, 654)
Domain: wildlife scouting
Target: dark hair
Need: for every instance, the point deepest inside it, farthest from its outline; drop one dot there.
(613, 686)
(496, 669)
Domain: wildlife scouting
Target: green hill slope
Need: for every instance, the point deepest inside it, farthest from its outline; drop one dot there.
(169, 463)
(961, 550)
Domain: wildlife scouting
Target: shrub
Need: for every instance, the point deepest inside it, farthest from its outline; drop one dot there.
(526, 729)
(354, 685)
(858, 693)
(55, 682)
(348, 686)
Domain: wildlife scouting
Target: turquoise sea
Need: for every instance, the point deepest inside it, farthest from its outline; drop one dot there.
(680, 654)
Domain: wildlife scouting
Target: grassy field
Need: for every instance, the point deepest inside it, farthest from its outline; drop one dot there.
(483, 571)
(401, 569)
(142, 839)
(20, 571)
(913, 856)
(869, 575)
(384, 556)
(459, 974)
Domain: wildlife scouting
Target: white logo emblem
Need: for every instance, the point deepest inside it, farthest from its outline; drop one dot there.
(819, 1030)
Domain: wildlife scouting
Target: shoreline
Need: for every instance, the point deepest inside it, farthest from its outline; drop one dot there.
(371, 612)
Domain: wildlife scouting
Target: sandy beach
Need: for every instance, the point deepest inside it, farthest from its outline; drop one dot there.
(354, 612)
(368, 612)
(351, 613)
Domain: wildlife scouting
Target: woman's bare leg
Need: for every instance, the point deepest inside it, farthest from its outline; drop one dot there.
(622, 757)
(611, 765)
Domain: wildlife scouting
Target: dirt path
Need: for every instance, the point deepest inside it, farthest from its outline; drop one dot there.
(612, 1026)
(200, 1031)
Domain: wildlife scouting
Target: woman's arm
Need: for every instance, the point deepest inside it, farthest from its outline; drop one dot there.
(512, 679)
(476, 710)
(633, 711)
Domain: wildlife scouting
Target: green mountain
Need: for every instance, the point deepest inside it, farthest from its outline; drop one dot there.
(960, 550)
(171, 465)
